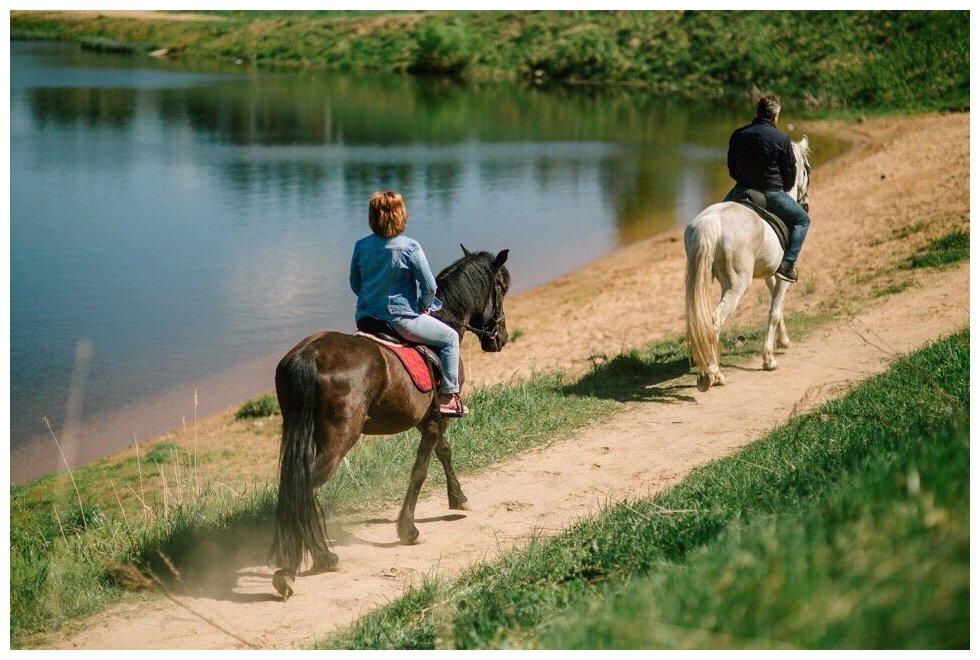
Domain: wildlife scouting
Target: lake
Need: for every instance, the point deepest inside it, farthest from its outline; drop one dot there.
(174, 229)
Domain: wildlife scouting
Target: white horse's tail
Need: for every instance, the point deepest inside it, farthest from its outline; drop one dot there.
(700, 241)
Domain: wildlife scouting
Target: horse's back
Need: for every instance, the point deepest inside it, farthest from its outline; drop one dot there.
(738, 235)
(332, 352)
(350, 371)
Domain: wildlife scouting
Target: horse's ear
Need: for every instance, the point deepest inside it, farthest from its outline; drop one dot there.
(501, 258)
(466, 252)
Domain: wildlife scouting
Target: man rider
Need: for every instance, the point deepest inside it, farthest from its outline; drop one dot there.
(760, 157)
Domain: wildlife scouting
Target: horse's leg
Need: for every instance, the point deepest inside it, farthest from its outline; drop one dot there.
(323, 558)
(778, 288)
(431, 432)
(333, 443)
(734, 285)
(782, 336)
(457, 500)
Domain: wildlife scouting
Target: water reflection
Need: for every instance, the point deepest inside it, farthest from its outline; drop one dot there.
(187, 222)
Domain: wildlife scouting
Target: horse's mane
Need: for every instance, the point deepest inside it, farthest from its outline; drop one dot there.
(464, 285)
(802, 147)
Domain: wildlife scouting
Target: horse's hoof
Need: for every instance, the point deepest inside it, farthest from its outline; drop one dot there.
(783, 343)
(410, 537)
(459, 505)
(704, 382)
(325, 561)
(720, 379)
(283, 584)
(771, 366)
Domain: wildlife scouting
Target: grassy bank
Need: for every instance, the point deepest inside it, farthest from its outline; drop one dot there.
(868, 60)
(848, 528)
(71, 536)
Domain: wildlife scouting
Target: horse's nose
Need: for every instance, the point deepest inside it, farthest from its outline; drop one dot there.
(501, 338)
(494, 343)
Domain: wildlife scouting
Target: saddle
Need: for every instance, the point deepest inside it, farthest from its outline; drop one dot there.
(421, 361)
(756, 201)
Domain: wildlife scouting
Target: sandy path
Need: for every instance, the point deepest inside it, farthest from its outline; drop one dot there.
(902, 185)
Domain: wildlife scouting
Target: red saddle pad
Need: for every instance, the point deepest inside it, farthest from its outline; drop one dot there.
(415, 365)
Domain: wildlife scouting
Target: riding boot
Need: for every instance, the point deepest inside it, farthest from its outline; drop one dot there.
(787, 271)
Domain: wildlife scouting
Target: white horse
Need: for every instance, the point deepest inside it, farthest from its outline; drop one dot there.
(731, 243)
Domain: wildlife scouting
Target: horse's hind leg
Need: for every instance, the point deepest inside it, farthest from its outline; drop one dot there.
(324, 465)
(431, 431)
(333, 443)
(734, 287)
(457, 500)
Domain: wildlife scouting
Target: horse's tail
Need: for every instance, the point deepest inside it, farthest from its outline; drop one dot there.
(299, 516)
(700, 241)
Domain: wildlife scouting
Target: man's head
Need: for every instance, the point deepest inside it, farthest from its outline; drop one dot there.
(768, 108)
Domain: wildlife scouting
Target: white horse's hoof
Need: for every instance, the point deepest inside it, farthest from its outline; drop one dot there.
(772, 366)
(720, 379)
(783, 343)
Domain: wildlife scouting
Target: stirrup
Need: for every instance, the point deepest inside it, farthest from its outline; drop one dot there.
(788, 274)
(454, 408)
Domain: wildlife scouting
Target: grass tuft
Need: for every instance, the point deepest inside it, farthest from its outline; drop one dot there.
(944, 251)
(266, 405)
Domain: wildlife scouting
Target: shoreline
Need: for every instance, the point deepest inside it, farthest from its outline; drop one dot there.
(622, 300)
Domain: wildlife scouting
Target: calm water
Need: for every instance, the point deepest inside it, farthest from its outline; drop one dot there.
(174, 231)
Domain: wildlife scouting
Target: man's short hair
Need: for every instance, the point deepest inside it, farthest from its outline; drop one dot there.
(768, 107)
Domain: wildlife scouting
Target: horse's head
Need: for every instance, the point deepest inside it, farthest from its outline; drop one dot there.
(472, 292)
(801, 150)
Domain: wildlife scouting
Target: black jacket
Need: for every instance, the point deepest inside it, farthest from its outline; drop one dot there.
(760, 156)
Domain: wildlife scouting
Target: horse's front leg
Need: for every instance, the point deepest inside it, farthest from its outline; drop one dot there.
(457, 500)
(407, 532)
(777, 326)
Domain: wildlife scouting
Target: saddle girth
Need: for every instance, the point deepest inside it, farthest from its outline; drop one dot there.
(756, 201)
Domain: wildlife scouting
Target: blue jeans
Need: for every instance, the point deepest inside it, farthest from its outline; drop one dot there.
(426, 329)
(787, 208)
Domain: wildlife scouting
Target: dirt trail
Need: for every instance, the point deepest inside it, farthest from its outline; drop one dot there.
(903, 184)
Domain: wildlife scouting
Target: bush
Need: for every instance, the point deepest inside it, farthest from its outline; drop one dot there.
(579, 54)
(440, 49)
(266, 405)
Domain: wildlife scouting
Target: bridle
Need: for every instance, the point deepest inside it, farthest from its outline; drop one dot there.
(484, 332)
(490, 330)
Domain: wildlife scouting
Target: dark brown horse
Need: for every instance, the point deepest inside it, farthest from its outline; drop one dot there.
(333, 387)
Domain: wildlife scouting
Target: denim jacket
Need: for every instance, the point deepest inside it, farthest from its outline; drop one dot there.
(391, 278)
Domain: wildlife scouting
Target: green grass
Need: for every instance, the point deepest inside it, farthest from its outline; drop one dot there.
(848, 528)
(944, 251)
(834, 60)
